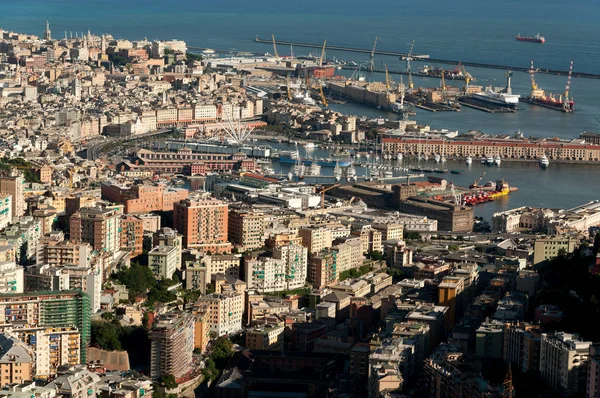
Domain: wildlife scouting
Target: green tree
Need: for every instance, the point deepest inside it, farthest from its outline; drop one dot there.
(377, 255)
(453, 248)
(169, 381)
(107, 316)
(105, 335)
(562, 252)
(137, 278)
(412, 235)
(191, 57)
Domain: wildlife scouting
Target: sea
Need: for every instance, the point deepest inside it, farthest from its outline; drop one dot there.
(467, 30)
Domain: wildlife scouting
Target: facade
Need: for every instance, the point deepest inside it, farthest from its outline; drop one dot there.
(16, 363)
(522, 346)
(265, 274)
(14, 186)
(203, 221)
(163, 261)
(132, 235)
(50, 309)
(97, 226)
(450, 217)
(246, 229)
(593, 373)
(489, 340)
(225, 311)
(549, 247)
(11, 278)
(349, 254)
(323, 269)
(140, 199)
(449, 291)
(172, 345)
(267, 337)
(6, 208)
(563, 361)
(227, 264)
(295, 259)
(315, 239)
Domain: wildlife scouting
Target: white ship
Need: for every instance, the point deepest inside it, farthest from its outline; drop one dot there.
(309, 145)
(469, 160)
(437, 158)
(268, 170)
(497, 160)
(303, 98)
(351, 173)
(337, 172)
(489, 160)
(299, 170)
(503, 97)
(399, 156)
(544, 162)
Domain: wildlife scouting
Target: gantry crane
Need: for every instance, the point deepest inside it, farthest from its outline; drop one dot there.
(323, 190)
(322, 57)
(275, 49)
(409, 58)
(467, 76)
(372, 57)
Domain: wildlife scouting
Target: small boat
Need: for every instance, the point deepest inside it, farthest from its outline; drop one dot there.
(469, 160)
(266, 170)
(440, 170)
(483, 160)
(437, 158)
(418, 169)
(489, 160)
(498, 160)
(351, 173)
(337, 172)
(443, 159)
(428, 170)
(544, 161)
(455, 171)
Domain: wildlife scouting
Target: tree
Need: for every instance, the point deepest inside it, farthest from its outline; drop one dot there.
(412, 235)
(453, 248)
(107, 316)
(106, 336)
(191, 57)
(169, 381)
(562, 252)
(137, 278)
(377, 255)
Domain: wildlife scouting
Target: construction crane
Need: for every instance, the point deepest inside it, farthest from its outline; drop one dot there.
(323, 99)
(467, 76)
(532, 71)
(566, 106)
(289, 90)
(323, 190)
(476, 182)
(275, 49)
(322, 57)
(408, 58)
(372, 57)
(455, 195)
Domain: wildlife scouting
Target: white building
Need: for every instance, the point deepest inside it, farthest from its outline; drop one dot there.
(163, 261)
(295, 259)
(563, 361)
(5, 210)
(266, 274)
(11, 278)
(225, 312)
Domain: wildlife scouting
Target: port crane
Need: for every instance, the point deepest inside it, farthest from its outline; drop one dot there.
(322, 57)
(467, 76)
(372, 57)
(532, 71)
(408, 58)
(566, 106)
(477, 181)
(443, 83)
(277, 60)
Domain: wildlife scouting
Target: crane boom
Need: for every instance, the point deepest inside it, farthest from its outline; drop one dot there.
(323, 190)
(275, 49)
(534, 85)
(372, 57)
(408, 59)
(568, 86)
(322, 58)
(443, 83)
(323, 99)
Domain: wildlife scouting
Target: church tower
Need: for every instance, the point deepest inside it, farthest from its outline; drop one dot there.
(47, 32)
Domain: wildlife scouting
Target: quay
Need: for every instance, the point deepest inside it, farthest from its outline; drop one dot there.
(548, 71)
(468, 102)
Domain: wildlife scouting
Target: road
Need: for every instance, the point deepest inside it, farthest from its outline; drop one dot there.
(94, 150)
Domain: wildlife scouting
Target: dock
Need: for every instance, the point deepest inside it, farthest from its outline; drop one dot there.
(435, 107)
(480, 106)
(516, 68)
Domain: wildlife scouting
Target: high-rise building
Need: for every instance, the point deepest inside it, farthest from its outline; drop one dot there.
(49, 309)
(97, 226)
(6, 209)
(323, 269)
(172, 345)
(225, 311)
(265, 274)
(13, 185)
(295, 259)
(315, 239)
(563, 361)
(449, 291)
(246, 229)
(489, 340)
(132, 234)
(593, 372)
(522, 346)
(203, 222)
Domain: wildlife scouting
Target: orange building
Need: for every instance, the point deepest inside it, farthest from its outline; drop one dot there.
(132, 234)
(16, 362)
(449, 291)
(143, 198)
(44, 173)
(201, 329)
(203, 222)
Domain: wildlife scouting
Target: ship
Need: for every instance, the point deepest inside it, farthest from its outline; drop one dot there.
(497, 98)
(544, 162)
(535, 39)
(539, 97)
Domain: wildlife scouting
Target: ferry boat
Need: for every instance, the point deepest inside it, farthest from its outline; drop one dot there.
(497, 98)
(544, 162)
(535, 39)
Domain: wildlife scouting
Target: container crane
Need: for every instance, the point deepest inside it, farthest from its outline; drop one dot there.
(408, 58)
(277, 60)
(372, 57)
(322, 57)
(323, 190)
(566, 102)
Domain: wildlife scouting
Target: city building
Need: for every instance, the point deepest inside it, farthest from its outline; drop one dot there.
(593, 373)
(550, 247)
(225, 311)
(203, 221)
(449, 291)
(563, 361)
(16, 363)
(15, 187)
(522, 346)
(6, 208)
(49, 309)
(246, 229)
(315, 239)
(489, 340)
(97, 226)
(172, 345)
(450, 217)
(11, 278)
(132, 235)
(266, 337)
(323, 269)
(295, 260)
(140, 199)
(163, 261)
(265, 274)
(76, 381)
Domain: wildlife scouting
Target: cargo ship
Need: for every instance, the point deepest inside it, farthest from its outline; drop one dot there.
(535, 39)
(539, 97)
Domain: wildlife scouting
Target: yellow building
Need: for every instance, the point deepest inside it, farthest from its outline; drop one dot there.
(15, 361)
(449, 290)
(267, 337)
(547, 248)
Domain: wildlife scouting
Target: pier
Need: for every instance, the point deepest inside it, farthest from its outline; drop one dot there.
(548, 71)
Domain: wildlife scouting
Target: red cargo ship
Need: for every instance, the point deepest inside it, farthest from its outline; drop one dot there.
(535, 39)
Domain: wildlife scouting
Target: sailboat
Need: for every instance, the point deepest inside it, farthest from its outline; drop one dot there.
(351, 173)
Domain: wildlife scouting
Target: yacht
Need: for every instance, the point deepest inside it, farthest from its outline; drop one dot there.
(437, 158)
(443, 159)
(268, 171)
(483, 159)
(498, 160)
(337, 172)
(489, 160)
(399, 156)
(351, 173)
(544, 162)
(469, 160)
(309, 145)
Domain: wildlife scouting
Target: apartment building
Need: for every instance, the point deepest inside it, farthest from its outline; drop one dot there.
(265, 337)
(171, 345)
(16, 364)
(563, 361)
(97, 226)
(163, 261)
(224, 310)
(246, 229)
